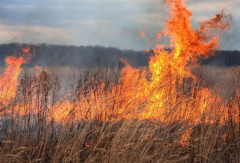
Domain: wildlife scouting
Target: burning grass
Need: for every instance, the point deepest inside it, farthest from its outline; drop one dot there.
(32, 136)
(167, 112)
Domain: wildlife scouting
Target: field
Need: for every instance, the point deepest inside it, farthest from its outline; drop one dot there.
(173, 110)
(33, 137)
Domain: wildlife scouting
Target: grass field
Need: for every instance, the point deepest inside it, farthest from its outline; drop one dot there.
(34, 137)
(171, 111)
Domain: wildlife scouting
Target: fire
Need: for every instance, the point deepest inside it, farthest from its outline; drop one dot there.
(9, 79)
(166, 91)
(169, 69)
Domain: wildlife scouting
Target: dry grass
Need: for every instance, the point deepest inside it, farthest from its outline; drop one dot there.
(33, 138)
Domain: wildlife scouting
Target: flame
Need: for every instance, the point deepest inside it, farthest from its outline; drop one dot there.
(160, 92)
(9, 79)
(170, 68)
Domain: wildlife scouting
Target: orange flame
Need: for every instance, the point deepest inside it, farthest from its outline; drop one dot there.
(158, 96)
(157, 93)
(9, 79)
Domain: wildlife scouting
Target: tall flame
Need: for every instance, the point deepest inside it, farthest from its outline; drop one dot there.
(9, 79)
(171, 68)
(154, 93)
(139, 96)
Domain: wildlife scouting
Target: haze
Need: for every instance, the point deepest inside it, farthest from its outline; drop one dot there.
(109, 23)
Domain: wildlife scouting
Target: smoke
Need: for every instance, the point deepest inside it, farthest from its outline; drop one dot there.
(219, 21)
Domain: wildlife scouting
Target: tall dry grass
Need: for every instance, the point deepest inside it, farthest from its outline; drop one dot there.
(32, 137)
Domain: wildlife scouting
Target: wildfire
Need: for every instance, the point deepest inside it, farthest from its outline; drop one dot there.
(161, 92)
(9, 79)
(171, 68)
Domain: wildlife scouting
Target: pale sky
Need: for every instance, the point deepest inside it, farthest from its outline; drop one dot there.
(109, 23)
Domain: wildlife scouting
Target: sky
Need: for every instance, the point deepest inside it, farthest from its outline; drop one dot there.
(108, 23)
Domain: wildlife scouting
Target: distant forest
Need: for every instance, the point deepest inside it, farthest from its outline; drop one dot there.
(92, 56)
